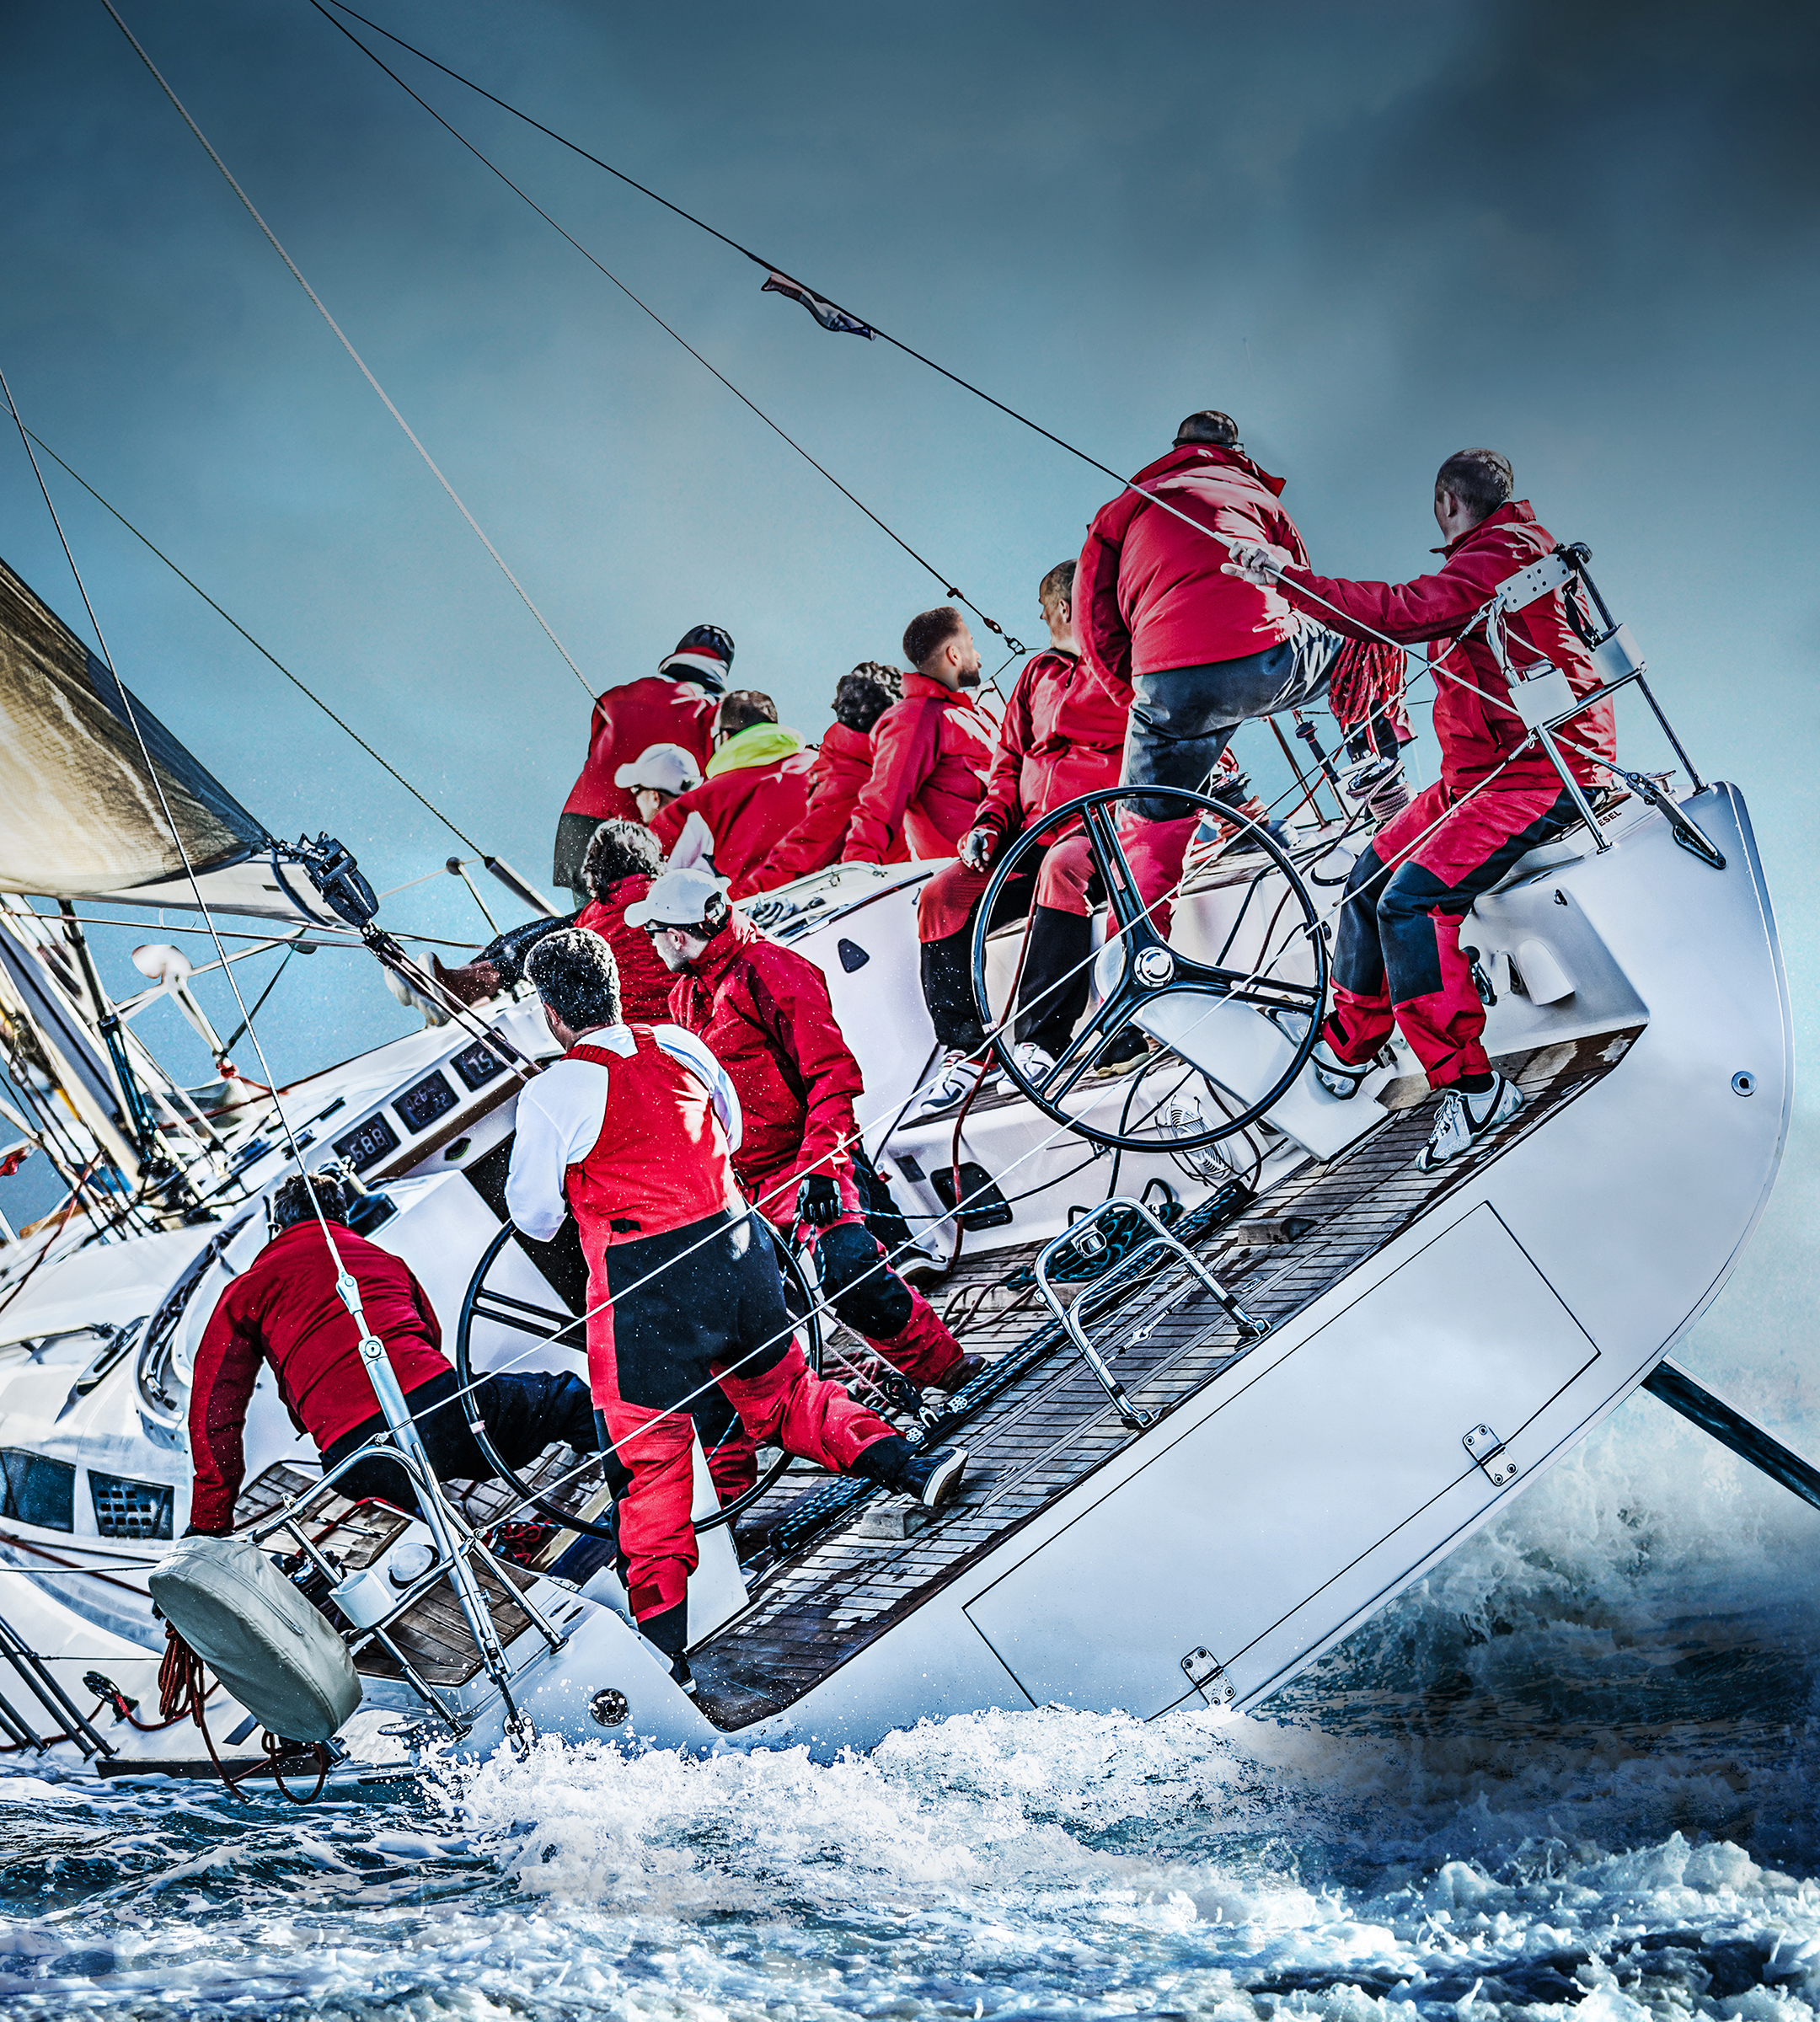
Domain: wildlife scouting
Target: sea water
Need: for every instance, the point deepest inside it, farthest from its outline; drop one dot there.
(1575, 1768)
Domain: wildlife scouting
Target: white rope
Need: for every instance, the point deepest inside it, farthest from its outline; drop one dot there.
(365, 373)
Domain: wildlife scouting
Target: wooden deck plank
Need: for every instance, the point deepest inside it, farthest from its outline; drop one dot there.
(1055, 1424)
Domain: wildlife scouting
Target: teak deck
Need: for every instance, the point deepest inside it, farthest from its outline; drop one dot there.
(820, 1604)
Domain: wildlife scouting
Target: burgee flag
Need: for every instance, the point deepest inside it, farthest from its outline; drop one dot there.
(824, 313)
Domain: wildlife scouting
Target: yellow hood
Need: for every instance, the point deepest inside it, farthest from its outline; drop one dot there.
(757, 744)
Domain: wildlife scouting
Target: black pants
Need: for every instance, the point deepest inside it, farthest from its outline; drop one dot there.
(1183, 717)
(1052, 991)
(1053, 984)
(523, 1414)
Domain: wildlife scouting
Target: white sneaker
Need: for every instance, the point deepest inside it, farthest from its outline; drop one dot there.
(955, 1074)
(1466, 1120)
(1034, 1062)
(1341, 1081)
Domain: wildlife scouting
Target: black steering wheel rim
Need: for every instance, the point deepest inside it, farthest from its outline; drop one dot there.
(808, 1318)
(1187, 976)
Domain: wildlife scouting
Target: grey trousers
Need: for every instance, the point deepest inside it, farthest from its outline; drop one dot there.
(1183, 717)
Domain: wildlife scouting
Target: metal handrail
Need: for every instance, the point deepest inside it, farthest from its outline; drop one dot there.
(1084, 1238)
(456, 1540)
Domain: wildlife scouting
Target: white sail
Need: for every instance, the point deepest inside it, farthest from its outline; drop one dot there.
(79, 815)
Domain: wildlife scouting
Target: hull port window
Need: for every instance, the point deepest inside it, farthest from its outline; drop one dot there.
(130, 1508)
(38, 1491)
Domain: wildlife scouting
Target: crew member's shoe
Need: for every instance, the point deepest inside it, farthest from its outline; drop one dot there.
(1127, 1053)
(934, 1479)
(1466, 1120)
(1339, 1078)
(955, 1074)
(959, 1374)
(668, 1633)
(1034, 1062)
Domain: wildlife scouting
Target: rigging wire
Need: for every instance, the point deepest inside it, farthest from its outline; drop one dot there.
(340, 722)
(702, 224)
(297, 274)
(922, 560)
(170, 820)
(1124, 484)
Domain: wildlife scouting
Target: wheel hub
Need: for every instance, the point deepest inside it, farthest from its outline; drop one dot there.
(1154, 967)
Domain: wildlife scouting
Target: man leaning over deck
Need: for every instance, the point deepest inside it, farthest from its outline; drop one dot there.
(634, 1130)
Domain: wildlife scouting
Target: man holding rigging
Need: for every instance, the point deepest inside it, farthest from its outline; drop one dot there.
(1398, 957)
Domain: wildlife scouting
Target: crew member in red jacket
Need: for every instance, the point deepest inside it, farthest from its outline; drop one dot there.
(1202, 650)
(764, 1010)
(674, 706)
(1062, 735)
(756, 793)
(1398, 957)
(842, 766)
(634, 1131)
(930, 752)
(623, 858)
(284, 1310)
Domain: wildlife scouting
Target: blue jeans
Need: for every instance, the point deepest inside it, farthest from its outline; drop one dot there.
(1183, 717)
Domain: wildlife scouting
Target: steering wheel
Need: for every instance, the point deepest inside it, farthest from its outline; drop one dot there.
(569, 1330)
(1247, 946)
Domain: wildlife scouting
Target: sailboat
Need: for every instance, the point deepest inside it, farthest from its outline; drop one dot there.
(1250, 1371)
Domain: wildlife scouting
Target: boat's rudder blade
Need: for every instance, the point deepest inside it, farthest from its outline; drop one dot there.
(1731, 1428)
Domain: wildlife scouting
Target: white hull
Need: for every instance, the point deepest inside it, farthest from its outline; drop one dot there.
(1273, 1506)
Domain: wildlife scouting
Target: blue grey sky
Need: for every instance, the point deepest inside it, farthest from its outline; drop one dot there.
(1376, 234)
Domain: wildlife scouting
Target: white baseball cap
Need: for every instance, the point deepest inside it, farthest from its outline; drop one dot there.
(666, 766)
(679, 898)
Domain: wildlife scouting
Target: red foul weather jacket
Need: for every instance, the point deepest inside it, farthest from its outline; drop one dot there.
(1063, 734)
(842, 766)
(643, 981)
(930, 756)
(763, 1011)
(748, 811)
(627, 721)
(284, 1309)
(1477, 735)
(1149, 593)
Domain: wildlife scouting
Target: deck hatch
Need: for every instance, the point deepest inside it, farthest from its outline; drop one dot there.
(1098, 1616)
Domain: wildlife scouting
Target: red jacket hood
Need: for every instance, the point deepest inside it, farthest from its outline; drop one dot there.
(1209, 452)
(1515, 513)
(727, 947)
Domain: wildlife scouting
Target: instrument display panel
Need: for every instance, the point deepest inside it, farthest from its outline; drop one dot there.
(367, 1144)
(420, 1106)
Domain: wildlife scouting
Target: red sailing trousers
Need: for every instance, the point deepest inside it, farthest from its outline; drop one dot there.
(1398, 957)
(670, 1316)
